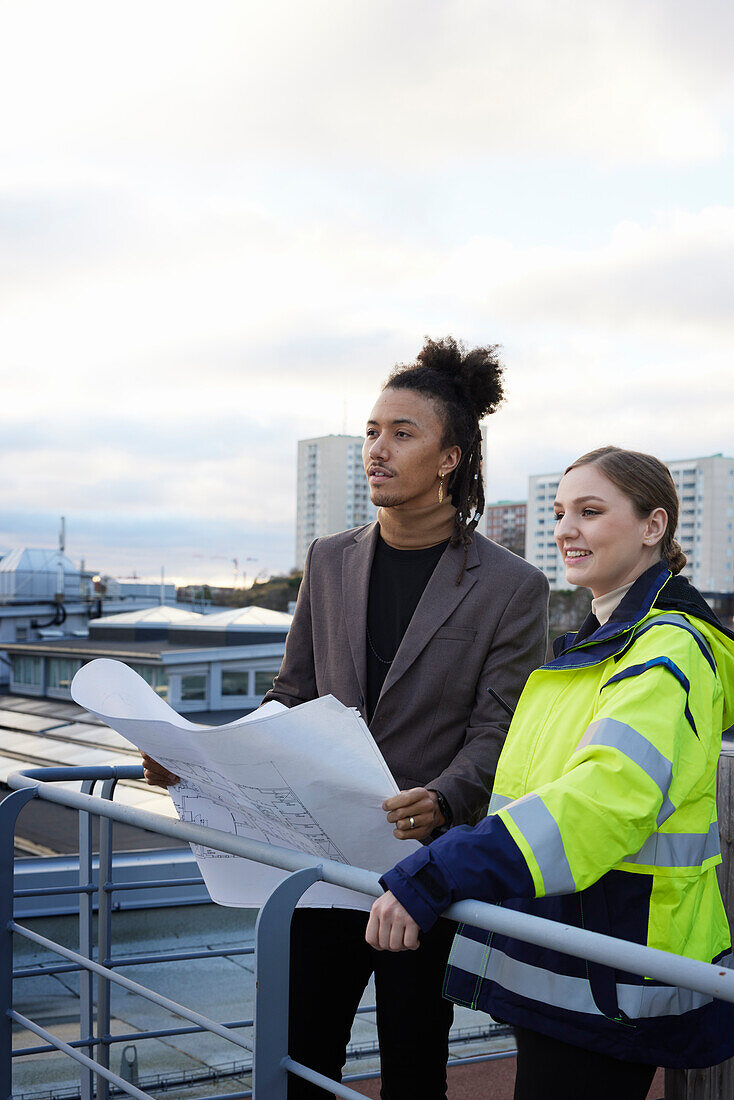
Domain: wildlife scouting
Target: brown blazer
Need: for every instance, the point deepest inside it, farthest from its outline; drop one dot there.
(435, 723)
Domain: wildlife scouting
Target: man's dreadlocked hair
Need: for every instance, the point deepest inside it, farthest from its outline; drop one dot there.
(466, 386)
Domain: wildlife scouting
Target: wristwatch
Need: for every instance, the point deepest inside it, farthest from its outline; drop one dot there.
(445, 809)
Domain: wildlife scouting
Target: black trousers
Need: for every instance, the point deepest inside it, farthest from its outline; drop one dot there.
(548, 1069)
(330, 966)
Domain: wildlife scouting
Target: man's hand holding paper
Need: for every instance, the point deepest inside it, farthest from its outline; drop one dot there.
(310, 777)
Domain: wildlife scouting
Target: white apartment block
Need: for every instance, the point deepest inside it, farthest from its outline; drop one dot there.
(332, 493)
(706, 522)
(705, 525)
(540, 546)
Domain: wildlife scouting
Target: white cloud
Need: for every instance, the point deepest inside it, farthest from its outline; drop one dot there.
(221, 224)
(601, 344)
(671, 279)
(415, 83)
(667, 281)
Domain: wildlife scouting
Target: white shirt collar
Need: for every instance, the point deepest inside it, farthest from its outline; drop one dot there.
(604, 606)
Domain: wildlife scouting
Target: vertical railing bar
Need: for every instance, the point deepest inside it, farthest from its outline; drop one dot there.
(10, 807)
(86, 940)
(272, 971)
(104, 938)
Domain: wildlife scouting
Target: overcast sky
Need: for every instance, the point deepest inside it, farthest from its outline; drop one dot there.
(222, 223)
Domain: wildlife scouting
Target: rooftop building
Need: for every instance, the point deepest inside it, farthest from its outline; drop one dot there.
(199, 663)
(39, 574)
(43, 596)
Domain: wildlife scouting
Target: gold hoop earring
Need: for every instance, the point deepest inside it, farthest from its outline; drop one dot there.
(440, 489)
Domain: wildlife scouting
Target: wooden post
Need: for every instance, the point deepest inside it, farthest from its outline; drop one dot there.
(716, 1083)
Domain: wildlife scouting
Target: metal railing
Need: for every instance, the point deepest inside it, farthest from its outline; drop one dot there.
(271, 1062)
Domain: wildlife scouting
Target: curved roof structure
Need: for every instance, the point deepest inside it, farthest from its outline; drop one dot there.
(249, 616)
(160, 615)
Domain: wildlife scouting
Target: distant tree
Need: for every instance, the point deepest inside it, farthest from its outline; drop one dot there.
(568, 609)
(275, 593)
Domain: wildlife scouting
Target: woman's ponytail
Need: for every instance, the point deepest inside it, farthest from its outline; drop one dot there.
(673, 555)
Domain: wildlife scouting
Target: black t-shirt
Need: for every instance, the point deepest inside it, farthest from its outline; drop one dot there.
(397, 581)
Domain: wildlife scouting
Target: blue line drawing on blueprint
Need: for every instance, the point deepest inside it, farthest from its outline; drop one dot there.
(264, 808)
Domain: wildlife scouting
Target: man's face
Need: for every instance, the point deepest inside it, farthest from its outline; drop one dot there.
(402, 452)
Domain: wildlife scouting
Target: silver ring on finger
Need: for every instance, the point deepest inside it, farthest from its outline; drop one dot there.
(411, 822)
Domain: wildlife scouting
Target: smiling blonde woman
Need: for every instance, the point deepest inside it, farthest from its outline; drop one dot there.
(603, 814)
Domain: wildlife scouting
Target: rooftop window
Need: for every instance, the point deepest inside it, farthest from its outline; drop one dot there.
(193, 687)
(27, 671)
(61, 672)
(235, 681)
(264, 680)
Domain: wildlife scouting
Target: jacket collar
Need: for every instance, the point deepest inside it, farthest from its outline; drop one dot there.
(593, 643)
(356, 568)
(680, 595)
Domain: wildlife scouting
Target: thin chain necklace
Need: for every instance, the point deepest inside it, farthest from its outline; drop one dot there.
(377, 655)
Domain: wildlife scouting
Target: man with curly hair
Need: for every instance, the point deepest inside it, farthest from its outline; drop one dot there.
(410, 619)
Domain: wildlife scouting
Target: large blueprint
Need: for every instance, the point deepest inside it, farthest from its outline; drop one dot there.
(310, 778)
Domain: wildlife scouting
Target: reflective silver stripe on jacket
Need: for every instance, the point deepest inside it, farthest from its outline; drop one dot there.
(678, 849)
(539, 827)
(680, 621)
(534, 982)
(564, 991)
(618, 735)
(498, 802)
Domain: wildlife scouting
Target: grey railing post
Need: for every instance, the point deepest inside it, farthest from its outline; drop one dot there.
(86, 940)
(272, 969)
(716, 1083)
(10, 807)
(104, 940)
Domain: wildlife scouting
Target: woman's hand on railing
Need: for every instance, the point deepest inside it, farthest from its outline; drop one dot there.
(391, 927)
(156, 775)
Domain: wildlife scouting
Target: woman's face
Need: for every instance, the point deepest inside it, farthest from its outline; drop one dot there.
(603, 542)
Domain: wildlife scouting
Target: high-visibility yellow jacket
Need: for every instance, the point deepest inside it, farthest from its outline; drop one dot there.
(603, 816)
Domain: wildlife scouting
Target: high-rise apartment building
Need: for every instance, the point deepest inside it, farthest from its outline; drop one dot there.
(333, 493)
(505, 523)
(705, 525)
(540, 545)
